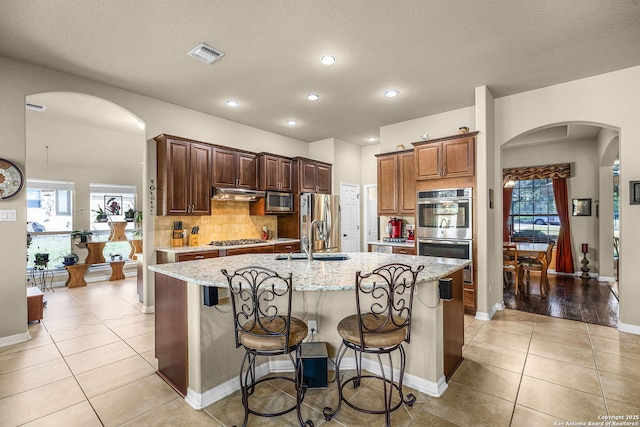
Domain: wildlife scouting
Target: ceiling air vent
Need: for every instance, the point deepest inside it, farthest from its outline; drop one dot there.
(35, 107)
(205, 53)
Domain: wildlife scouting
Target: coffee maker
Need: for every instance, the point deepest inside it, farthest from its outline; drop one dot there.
(394, 227)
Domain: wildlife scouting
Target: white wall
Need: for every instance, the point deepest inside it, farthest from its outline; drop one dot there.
(20, 80)
(583, 184)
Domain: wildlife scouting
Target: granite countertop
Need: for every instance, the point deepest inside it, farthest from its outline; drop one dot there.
(200, 248)
(407, 244)
(307, 276)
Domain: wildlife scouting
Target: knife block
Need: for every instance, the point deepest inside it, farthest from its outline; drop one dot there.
(194, 240)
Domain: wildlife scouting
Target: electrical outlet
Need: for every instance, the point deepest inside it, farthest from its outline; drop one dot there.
(313, 326)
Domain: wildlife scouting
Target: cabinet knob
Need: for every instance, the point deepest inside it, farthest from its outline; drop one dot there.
(199, 257)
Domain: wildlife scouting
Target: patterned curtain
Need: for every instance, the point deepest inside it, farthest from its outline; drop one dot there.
(562, 170)
(564, 256)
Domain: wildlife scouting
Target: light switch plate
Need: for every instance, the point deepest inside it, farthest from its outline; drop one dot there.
(7, 215)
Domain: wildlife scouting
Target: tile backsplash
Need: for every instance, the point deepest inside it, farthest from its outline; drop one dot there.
(228, 221)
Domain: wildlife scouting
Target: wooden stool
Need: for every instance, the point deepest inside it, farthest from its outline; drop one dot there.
(116, 270)
(76, 275)
(34, 304)
(95, 253)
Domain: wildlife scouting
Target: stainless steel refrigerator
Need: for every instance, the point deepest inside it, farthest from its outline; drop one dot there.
(323, 212)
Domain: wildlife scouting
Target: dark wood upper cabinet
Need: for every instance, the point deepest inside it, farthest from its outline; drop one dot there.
(449, 157)
(276, 173)
(313, 176)
(234, 168)
(396, 184)
(184, 176)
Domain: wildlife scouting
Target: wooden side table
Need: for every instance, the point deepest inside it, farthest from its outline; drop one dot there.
(76, 275)
(116, 270)
(95, 255)
(34, 304)
(117, 231)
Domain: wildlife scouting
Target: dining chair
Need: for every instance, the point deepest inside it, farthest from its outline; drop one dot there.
(528, 264)
(261, 305)
(511, 262)
(382, 323)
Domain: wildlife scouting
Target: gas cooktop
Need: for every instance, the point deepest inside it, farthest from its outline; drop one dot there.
(235, 242)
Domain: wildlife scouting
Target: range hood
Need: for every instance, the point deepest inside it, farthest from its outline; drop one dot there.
(235, 194)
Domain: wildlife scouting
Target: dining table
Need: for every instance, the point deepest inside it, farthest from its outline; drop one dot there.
(537, 251)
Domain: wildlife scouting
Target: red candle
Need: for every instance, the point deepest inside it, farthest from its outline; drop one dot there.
(585, 248)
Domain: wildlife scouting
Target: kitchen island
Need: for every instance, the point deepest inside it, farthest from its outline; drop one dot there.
(195, 344)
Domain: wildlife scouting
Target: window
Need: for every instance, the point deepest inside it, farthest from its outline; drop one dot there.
(49, 206)
(533, 214)
(97, 193)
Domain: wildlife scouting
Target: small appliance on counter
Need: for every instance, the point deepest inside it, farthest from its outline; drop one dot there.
(410, 232)
(394, 228)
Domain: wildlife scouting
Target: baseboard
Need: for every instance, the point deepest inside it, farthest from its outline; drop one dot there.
(146, 309)
(631, 329)
(202, 400)
(14, 339)
(606, 279)
(480, 315)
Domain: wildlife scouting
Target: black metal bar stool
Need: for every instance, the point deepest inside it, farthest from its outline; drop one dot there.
(261, 301)
(384, 301)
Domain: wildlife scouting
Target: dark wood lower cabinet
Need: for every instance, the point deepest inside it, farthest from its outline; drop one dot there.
(453, 327)
(172, 343)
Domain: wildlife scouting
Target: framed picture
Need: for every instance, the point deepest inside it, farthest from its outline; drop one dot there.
(634, 192)
(581, 207)
(113, 205)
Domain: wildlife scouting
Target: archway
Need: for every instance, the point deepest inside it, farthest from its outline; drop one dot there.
(83, 141)
(588, 148)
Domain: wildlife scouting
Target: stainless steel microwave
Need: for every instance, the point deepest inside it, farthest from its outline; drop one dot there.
(275, 201)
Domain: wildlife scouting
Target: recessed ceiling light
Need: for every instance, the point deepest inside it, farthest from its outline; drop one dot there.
(312, 97)
(328, 59)
(291, 122)
(371, 139)
(391, 93)
(232, 103)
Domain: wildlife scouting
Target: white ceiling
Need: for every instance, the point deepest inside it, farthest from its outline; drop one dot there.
(434, 52)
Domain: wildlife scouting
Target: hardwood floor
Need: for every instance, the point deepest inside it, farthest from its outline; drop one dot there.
(569, 297)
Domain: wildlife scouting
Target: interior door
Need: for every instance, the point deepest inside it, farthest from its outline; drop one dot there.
(350, 217)
(371, 218)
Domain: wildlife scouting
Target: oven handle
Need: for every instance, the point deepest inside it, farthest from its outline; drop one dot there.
(446, 242)
(448, 199)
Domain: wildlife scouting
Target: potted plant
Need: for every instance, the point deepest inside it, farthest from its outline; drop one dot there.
(70, 258)
(129, 215)
(101, 215)
(41, 261)
(85, 235)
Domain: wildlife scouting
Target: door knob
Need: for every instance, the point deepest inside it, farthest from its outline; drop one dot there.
(344, 235)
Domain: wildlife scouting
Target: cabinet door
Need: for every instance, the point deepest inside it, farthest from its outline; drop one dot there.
(387, 185)
(285, 167)
(458, 158)
(404, 250)
(270, 173)
(247, 171)
(224, 168)
(428, 161)
(200, 177)
(176, 171)
(190, 256)
(324, 178)
(308, 176)
(406, 184)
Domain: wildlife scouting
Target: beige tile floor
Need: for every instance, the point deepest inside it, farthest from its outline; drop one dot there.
(91, 362)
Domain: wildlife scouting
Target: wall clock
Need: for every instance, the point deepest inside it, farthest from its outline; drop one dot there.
(11, 179)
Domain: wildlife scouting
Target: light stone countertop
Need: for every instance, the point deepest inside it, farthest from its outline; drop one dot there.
(206, 247)
(307, 276)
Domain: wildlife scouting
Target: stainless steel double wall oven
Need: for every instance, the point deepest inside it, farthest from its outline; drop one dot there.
(444, 225)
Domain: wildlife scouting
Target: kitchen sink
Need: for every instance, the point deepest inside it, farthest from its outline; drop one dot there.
(316, 257)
